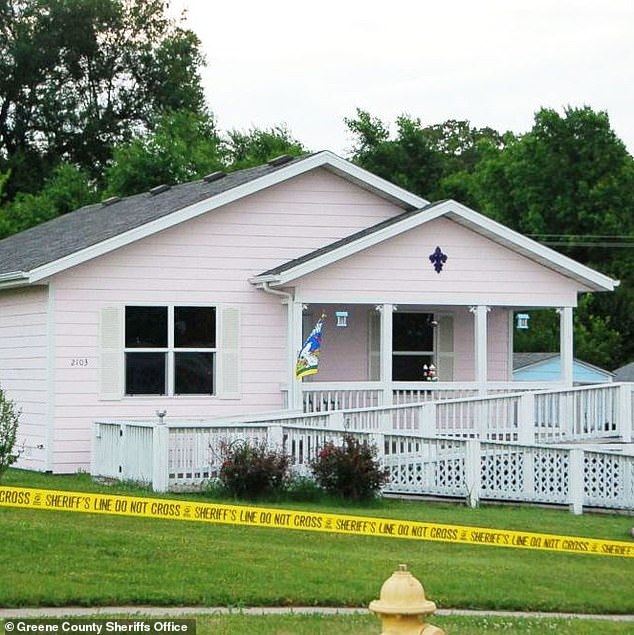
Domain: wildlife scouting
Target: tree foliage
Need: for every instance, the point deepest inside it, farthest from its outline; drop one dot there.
(245, 149)
(181, 146)
(569, 182)
(78, 77)
(422, 159)
(67, 189)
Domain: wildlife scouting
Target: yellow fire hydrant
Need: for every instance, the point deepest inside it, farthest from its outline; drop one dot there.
(402, 606)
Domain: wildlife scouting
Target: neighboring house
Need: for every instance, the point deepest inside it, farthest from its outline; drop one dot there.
(625, 373)
(536, 367)
(194, 299)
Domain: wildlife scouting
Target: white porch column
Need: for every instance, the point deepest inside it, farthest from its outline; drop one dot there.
(566, 344)
(386, 352)
(480, 346)
(294, 339)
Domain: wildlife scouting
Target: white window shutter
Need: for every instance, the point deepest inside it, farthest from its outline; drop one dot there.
(111, 353)
(445, 347)
(374, 345)
(228, 371)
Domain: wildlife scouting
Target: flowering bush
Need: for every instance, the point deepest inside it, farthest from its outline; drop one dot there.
(9, 416)
(351, 470)
(253, 470)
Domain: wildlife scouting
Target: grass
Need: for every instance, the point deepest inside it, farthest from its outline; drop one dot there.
(60, 558)
(364, 624)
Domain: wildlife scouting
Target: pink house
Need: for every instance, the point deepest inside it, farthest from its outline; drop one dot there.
(195, 300)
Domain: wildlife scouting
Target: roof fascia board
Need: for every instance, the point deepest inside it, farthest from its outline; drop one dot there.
(597, 281)
(322, 159)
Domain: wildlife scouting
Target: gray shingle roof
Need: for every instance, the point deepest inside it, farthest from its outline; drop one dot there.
(93, 224)
(520, 360)
(625, 373)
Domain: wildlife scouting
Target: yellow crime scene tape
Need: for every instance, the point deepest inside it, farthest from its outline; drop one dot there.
(87, 502)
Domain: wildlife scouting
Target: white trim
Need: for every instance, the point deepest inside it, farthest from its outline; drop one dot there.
(475, 221)
(512, 298)
(49, 437)
(566, 332)
(325, 159)
(387, 348)
(481, 346)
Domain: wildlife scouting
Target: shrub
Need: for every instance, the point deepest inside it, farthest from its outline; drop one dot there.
(350, 471)
(9, 417)
(253, 470)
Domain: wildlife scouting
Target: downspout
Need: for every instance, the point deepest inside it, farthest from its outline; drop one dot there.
(284, 294)
(290, 335)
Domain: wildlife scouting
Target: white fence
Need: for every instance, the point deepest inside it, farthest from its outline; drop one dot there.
(492, 447)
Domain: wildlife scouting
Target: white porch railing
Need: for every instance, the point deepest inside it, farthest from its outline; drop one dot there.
(320, 396)
(490, 447)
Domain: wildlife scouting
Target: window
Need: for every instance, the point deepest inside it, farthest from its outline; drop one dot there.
(170, 350)
(412, 345)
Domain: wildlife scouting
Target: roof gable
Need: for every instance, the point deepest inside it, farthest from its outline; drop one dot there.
(94, 230)
(483, 225)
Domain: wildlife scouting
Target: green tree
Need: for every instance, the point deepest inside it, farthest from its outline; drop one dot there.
(431, 161)
(257, 146)
(182, 146)
(408, 159)
(78, 77)
(569, 176)
(569, 183)
(67, 189)
(596, 337)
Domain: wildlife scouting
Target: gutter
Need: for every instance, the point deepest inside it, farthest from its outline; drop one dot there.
(14, 279)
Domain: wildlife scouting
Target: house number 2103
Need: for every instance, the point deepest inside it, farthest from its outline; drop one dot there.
(79, 362)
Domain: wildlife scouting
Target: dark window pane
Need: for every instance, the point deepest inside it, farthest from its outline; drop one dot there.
(146, 327)
(409, 367)
(194, 373)
(412, 332)
(145, 373)
(194, 327)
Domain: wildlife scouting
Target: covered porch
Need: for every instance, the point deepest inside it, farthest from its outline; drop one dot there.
(383, 354)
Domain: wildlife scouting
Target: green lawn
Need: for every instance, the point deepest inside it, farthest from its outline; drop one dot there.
(365, 624)
(62, 558)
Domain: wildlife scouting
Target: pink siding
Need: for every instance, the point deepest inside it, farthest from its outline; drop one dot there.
(207, 260)
(478, 271)
(23, 367)
(498, 344)
(345, 351)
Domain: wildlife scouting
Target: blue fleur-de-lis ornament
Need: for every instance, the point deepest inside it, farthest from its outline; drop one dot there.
(438, 259)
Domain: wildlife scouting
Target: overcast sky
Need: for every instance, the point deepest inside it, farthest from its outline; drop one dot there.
(492, 62)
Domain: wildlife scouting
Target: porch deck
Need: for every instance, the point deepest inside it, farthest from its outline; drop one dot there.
(569, 447)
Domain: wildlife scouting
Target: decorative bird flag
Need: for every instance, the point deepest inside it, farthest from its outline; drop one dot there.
(308, 358)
